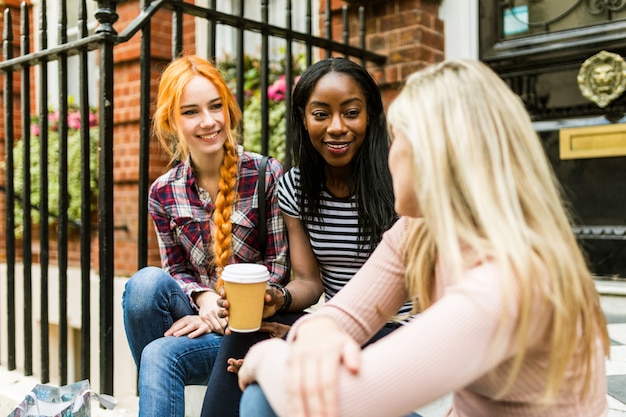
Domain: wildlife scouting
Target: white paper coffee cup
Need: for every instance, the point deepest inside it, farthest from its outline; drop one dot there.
(245, 285)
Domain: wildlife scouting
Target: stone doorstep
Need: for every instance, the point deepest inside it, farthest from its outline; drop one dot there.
(615, 287)
(14, 385)
(613, 299)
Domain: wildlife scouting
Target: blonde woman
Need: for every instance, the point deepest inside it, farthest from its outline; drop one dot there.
(205, 211)
(511, 321)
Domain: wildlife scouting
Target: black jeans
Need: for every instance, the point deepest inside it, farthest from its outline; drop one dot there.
(223, 394)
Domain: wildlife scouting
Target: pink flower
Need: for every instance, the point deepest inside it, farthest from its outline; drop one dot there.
(53, 121)
(73, 120)
(276, 91)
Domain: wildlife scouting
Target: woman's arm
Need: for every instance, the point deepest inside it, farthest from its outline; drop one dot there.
(443, 349)
(306, 286)
(174, 258)
(452, 344)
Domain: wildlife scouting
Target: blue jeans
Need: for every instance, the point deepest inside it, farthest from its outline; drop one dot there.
(254, 404)
(152, 302)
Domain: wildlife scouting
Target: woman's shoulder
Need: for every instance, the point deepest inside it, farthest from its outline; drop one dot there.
(397, 231)
(393, 237)
(290, 179)
(251, 160)
(175, 174)
(293, 175)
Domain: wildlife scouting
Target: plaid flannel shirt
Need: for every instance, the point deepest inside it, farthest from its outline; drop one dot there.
(183, 224)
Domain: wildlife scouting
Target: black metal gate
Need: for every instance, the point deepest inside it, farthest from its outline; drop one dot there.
(25, 77)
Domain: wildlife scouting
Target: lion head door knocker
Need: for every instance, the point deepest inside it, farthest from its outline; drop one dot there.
(602, 78)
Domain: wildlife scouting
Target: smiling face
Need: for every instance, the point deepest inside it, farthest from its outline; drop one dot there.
(335, 117)
(202, 118)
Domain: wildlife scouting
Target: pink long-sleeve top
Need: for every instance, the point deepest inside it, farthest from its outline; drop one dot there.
(457, 345)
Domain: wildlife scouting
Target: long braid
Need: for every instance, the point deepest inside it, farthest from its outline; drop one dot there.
(166, 122)
(222, 241)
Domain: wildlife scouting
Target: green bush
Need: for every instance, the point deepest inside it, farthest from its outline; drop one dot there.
(252, 104)
(73, 169)
(251, 126)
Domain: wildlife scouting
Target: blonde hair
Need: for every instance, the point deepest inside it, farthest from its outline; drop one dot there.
(166, 124)
(483, 181)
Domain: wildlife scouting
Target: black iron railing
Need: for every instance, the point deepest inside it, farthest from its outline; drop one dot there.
(18, 71)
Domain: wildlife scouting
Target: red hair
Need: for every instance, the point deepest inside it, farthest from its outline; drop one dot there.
(166, 127)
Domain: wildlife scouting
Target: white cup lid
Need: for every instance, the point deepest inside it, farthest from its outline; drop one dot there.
(245, 273)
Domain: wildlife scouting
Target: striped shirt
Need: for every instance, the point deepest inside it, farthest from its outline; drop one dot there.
(183, 218)
(334, 236)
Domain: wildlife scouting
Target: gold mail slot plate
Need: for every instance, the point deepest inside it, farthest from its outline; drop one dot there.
(593, 142)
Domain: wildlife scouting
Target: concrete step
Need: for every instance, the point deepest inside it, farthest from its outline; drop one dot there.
(613, 299)
(611, 287)
(14, 385)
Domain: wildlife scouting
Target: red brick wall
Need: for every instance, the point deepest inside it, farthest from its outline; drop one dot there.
(408, 32)
(126, 130)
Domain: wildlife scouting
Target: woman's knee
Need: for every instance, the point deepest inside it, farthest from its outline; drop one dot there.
(145, 291)
(154, 354)
(183, 359)
(254, 403)
(146, 283)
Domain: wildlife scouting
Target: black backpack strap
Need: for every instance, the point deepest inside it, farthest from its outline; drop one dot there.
(262, 206)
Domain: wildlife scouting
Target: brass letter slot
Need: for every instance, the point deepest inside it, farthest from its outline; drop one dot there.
(593, 142)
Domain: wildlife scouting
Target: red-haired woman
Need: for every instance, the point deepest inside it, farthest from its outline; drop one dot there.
(205, 211)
